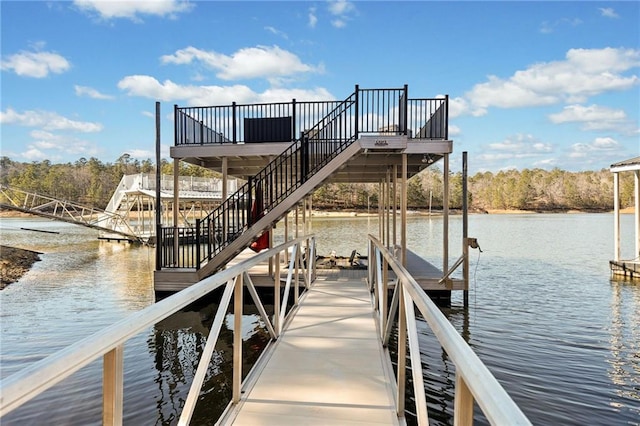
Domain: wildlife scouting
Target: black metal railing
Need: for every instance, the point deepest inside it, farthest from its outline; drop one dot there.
(238, 123)
(388, 111)
(428, 118)
(366, 111)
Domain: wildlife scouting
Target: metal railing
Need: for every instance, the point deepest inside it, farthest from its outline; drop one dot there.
(25, 385)
(67, 211)
(474, 382)
(381, 111)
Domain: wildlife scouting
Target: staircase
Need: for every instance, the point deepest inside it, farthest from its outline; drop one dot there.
(266, 197)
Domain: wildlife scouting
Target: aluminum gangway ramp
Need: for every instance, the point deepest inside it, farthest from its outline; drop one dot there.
(329, 366)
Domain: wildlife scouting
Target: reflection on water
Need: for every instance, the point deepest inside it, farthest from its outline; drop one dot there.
(177, 344)
(624, 361)
(544, 316)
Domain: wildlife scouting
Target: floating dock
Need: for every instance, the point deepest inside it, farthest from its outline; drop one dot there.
(333, 323)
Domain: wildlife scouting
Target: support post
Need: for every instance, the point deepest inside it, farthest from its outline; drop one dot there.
(225, 195)
(276, 296)
(158, 206)
(403, 210)
(637, 210)
(113, 386)
(394, 203)
(465, 231)
(402, 352)
(237, 339)
(616, 216)
(176, 199)
(445, 215)
(462, 403)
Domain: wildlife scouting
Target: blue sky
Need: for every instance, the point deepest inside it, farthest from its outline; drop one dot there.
(531, 84)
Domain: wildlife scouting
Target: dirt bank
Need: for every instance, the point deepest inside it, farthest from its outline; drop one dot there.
(14, 263)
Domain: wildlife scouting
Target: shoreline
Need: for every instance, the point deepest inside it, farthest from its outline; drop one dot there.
(5, 213)
(14, 263)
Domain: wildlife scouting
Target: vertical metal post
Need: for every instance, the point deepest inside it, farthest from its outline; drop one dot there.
(237, 339)
(380, 216)
(158, 207)
(616, 216)
(113, 386)
(637, 210)
(276, 296)
(294, 130)
(403, 210)
(197, 243)
(357, 113)
(402, 351)
(176, 200)
(394, 204)
(446, 118)
(249, 201)
(405, 118)
(225, 195)
(445, 216)
(388, 209)
(233, 123)
(465, 231)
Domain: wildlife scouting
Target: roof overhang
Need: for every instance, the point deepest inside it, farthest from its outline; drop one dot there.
(629, 165)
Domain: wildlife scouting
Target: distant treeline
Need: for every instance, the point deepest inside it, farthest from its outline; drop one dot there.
(92, 182)
(536, 190)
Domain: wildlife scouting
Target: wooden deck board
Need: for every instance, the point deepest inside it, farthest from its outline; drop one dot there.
(428, 276)
(328, 367)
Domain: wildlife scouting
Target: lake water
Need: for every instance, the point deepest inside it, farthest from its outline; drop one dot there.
(544, 315)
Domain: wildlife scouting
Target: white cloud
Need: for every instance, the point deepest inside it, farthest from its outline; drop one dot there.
(594, 117)
(608, 12)
(277, 32)
(51, 146)
(313, 18)
(517, 147)
(47, 120)
(149, 87)
(583, 73)
(247, 63)
(35, 64)
(90, 92)
(34, 154)
(549, 27)
(599, 147)
(341, 10)
(141, 154)
(132, 9)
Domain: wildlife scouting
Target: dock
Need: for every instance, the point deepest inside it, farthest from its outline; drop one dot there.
(328, 366)
(327, 361)
(629, 268)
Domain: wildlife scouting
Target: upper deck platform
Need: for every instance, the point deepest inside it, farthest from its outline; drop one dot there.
(242, 139)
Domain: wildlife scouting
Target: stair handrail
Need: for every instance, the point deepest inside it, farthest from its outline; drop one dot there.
(234, 216)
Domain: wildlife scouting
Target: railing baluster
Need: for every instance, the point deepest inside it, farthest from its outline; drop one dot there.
(462, 404)
(237, 339)
(113, 386)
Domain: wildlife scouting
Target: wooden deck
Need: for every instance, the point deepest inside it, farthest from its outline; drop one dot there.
(428, 276)
(328, 366)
